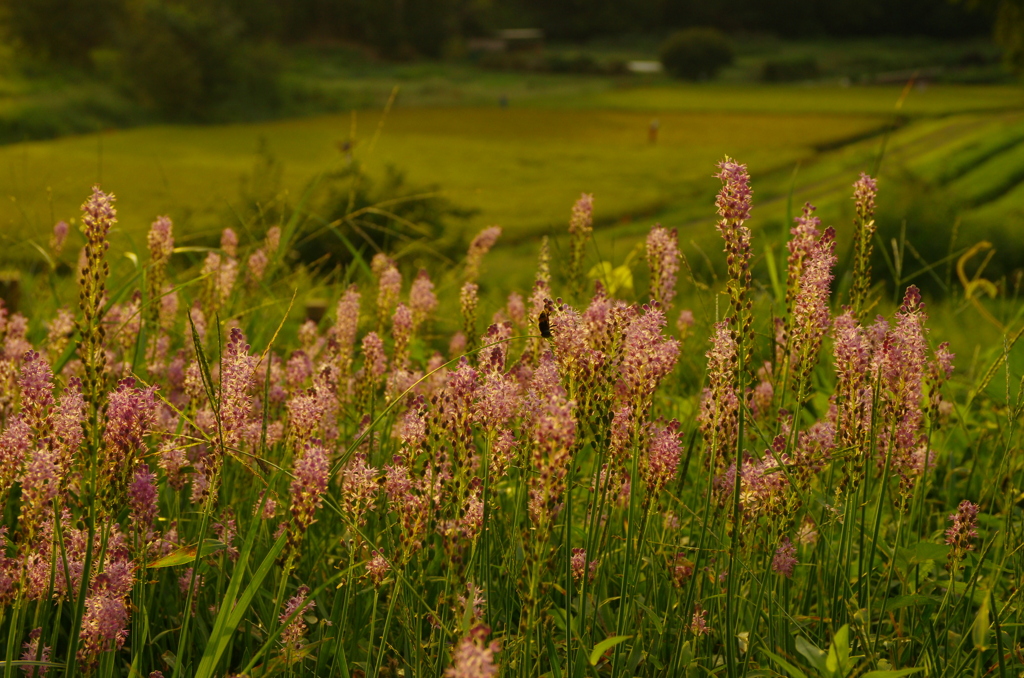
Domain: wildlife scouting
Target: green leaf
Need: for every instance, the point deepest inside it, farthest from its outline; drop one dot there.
(686, 654)
(187, 554)
(556, 670)
(230, 615)
(357, 255)
(982, 625)
(927, 550)
(911, 600)
(890, 674)
(832, 662)
(838, 661)
(653, 616)
(773, 274)
(604, 646)
(813, 654)
(614, 278)
(793, 671)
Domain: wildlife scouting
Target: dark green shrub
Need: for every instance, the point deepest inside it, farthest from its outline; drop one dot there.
(696, 53)
(790, 70)
(61, 30)
(186, 62)
(387, 214)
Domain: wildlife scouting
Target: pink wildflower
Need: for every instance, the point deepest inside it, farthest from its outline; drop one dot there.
(103, 625)
(33, 652)
(963, 530)
(554, 437)
(273, 239)
(257, 264)
(238, 369)
(14, 445)
(581, 227)
(864, 192)
(719, 405)
(143, 497)
(346, 326)
(733, 200)
(699, 625)
(811, 317)
(229, 242)
(481, 245)
(472, 658)
(359, 485)
(308, 487)
(659, 466)
(60, 235)
(297, 607)
(377, 568)
(580, 567)
(785, 558)
(402, 328)
(648, 356)
(36, 383)
(389, 287)
(130, 415)
(160, 239)
(98, 215)
(663, 260)
(468, 300)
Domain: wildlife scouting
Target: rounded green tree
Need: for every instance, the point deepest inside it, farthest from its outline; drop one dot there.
(696, 53)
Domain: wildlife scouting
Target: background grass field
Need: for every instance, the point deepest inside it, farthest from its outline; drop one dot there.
(520, 166)
(951, 154)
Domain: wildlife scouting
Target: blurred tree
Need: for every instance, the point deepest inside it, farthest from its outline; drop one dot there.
(61, 30)
(696, 53)
(1008, 28)
(185, 57)
(1009, 33)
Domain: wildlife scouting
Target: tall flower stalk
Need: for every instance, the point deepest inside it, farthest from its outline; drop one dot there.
(581, 229)
(864, 192)
(98, 216)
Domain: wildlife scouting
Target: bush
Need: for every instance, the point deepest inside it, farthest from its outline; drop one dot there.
(185, 63)
(790, 70)
(696, 53)
(60, 30)
(389, 213)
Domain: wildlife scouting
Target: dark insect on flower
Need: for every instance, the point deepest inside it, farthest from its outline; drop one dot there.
(544, 325)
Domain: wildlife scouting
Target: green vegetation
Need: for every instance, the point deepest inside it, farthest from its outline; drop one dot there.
(948, 149)
(386, 488)
(696, 53)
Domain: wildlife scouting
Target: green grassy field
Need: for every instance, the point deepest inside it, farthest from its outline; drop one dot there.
(517, 166)
(522, 166)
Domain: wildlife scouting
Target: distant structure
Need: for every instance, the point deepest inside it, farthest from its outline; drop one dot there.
(644, 66)
(509, 40)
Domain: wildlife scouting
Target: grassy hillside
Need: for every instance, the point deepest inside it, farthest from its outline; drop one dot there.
(516, 166)
(954, 151)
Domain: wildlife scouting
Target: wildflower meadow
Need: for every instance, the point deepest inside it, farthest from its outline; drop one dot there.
(791, 477)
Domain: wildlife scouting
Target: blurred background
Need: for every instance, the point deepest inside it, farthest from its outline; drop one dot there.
(430, 119)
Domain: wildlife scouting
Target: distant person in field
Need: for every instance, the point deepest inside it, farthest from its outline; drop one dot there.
(652, 131)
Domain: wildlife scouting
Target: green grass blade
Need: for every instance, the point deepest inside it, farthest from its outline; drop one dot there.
(231, 612)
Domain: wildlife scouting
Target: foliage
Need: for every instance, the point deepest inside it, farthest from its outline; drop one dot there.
(185, 61)
(696, 53)
(219, 485)
(62, 30)
(788, 70)
(355, 213)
